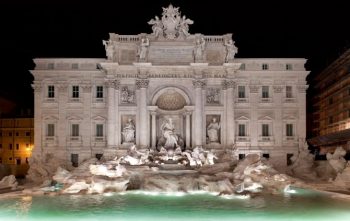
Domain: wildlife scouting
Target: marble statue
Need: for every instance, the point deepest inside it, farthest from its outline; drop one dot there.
(213, 131)
(143, 49)
(109, 46)
(168, 131)
(129, 132)
(183, 26)
(198, 50)
(210, 158)
(231, 50)
(157, 26)
(127, 96)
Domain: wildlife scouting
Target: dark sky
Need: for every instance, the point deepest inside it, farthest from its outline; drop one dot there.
(29, 29)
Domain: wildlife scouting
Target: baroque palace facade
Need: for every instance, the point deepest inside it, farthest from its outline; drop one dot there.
(168, 89)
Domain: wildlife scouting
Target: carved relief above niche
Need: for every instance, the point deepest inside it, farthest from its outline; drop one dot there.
(127, 95)
(213, 96)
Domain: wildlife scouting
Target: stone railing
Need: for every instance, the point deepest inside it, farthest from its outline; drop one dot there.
(214, 39)
(128, 38)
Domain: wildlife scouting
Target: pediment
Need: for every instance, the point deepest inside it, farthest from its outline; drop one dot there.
(266, 118)
(50, 117)
(289, 117)
(74, 117)
(242, 118)
(98, 118)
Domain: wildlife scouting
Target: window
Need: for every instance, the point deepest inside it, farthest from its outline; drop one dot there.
(348, 113)
(265, 66)
(99, 130)
(289, 130)
(51, 66)
(265, 91)
(265, 130)
(241, 130)
(99, 91)
(0, 145)
(17, 134)
(10, 146)
(289, 93)
(289, 67)
(27, 134)
(10, 134)
(17, 146)
(75, 66)
(27, 161)
(241, 91)
(349, 91)
(330, 120)
(330, 101)
(50, 132)
(10, 158)
(0, 160)
(50, 91)
(75, 91)
(75, 130)
(0, 134)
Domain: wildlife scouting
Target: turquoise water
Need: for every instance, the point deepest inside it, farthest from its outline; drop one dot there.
(139, 206)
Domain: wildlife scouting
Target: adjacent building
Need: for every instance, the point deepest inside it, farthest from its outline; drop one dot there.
(331, 106)
(16, 143)
(169, 89)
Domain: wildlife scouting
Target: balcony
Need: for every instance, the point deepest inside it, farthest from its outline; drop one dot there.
(289, 100)
(99, 100)
(266, 100)
(242, 100)
(50, 99)
(242, 139)
(265, 138)
(99, 139)
(74, 138)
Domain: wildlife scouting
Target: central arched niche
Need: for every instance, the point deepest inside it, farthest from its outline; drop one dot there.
(171, 99)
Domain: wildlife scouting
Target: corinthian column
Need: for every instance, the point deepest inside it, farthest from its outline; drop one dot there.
(142, 85)
(230, 136)
(198, 112)
(188, 129)
(111, 116)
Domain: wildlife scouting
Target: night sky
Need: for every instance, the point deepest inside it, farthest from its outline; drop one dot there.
(318, 31)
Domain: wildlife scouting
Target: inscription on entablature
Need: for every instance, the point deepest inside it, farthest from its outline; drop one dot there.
(166, 54)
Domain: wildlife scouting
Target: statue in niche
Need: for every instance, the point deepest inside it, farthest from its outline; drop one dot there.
(169, 140)
(143, 49)
(183, 26)
(231, 50)
(129, 132)
(213, 96)
(109, 46)
(198, 50)
(157, 26)
(213, 131)
(127, 96)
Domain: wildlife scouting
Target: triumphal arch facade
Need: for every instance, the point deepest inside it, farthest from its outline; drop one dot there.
(169, 88)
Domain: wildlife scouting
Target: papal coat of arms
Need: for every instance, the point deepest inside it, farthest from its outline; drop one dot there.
(171, 25)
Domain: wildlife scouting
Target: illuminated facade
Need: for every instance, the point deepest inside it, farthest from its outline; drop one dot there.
(89, 107)
(331, 105)
(16, 143)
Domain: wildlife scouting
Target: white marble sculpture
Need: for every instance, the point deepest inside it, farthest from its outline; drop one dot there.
(213, 96)
(198, 50)
(336, 160)
(157, 26)
(210, 158)
(143, 49)
(213, 131)
(184, 26)
(129, 132)
(231, 50)
(109, 46)
(168, 131)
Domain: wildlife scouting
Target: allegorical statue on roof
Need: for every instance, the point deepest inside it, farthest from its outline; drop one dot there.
(171, 25)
